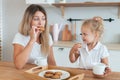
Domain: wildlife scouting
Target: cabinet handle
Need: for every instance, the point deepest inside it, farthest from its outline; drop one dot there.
(60, 49)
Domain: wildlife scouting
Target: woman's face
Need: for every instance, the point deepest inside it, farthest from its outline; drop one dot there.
(38, 20)
(87, 35)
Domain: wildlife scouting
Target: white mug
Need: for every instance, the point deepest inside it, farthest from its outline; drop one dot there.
(99, 69)
(40, 61)
(62, 1)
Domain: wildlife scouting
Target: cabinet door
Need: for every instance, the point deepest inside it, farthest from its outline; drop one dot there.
(114, 60)
(61, 55)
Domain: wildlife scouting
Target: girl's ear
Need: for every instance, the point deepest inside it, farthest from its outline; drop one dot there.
(97, 35)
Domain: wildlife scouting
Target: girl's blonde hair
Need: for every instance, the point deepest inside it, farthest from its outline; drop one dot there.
(25, 26)
(95, 25)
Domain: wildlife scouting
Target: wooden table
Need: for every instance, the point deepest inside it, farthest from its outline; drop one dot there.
(9, 72)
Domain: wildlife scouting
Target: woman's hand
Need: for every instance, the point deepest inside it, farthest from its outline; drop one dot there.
(34, 33)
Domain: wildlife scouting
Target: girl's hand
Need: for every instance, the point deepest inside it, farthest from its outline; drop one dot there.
(76, 47)
(107, 71)
(74, 52)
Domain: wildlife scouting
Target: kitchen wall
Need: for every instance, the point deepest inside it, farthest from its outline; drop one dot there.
(89, 0)
(0, 25)
(13, 12)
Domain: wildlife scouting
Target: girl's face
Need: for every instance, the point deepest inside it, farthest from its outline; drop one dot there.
(39, 19)
(87, 35)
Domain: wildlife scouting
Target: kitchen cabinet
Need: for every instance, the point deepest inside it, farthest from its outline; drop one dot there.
(39, 1)
(44, 3)
(69, 44)
(114, 60)
(87, 4)
(61, 55)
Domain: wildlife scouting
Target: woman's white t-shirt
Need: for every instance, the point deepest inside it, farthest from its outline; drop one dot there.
(88, 58)
(36, 50)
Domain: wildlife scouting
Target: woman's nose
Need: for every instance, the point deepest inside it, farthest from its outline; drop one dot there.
(39, 22)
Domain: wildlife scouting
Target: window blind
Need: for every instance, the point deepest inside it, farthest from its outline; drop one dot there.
(0, 29)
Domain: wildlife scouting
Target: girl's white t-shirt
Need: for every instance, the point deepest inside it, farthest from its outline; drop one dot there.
(36, 50)
(88, 58)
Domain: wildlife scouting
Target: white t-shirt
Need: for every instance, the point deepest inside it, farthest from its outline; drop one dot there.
(36, 51)
(88, 58)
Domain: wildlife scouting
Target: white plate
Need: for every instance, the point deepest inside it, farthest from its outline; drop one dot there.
(64, 75)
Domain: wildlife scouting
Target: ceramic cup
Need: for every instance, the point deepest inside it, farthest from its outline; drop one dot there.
(99, 69)
(41, 61)
(62, 1)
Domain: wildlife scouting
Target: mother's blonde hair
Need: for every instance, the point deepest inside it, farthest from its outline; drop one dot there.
(25, 26)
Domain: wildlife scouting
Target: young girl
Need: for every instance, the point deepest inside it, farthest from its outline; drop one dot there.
(92, 51)
(32, 40)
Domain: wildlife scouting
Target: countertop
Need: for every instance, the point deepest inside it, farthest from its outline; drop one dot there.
(69, 44)
(9, 72)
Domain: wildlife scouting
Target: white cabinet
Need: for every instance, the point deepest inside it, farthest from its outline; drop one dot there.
(61, 55)
(114, 60)
(39, 1)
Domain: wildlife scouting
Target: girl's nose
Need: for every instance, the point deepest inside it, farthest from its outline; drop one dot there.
(83, 36)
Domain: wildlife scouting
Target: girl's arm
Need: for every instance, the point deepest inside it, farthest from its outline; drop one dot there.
(105, 61)
(74, 53)
(51, 60)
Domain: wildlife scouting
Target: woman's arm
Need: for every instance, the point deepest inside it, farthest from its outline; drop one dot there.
(21, 54)
(51, 59)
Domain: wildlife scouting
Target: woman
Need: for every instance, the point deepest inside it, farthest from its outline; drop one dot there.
(33, 39)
